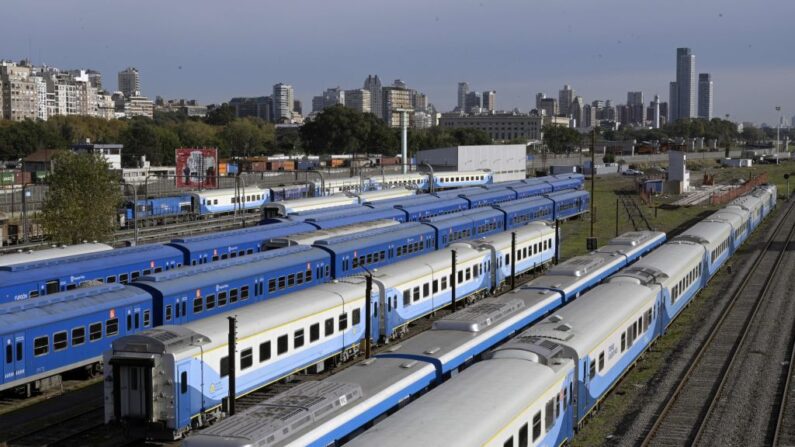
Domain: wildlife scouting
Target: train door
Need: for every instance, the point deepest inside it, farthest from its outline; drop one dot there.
(53, 286)
(184, 412)
(133, 391)
(9, 369)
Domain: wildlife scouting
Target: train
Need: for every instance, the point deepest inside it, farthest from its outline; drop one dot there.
(54, 252)
(402, 293)
(462, 383)
(190, 280)
(28, 280)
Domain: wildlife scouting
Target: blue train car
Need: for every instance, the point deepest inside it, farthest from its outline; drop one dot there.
(23, 281)
(531, 188)
(213, 201)
(465, 225)
(416, 212)
(192, 293)
(231, 244)
(487, 198)
(159, 207)
(458, 191)
(520, 212)
(289, 192)
(716, 239)
(351, 254)
(569, 203)
(338, 220)
(566, 181)
(66, 331)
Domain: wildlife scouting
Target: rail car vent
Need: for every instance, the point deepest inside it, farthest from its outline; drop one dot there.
(408, 364)
(394, 348)
(433, 350)
(367, 362)
(564, 327)
(555, 318)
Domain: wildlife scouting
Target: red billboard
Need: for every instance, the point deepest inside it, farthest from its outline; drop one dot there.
(197, 168)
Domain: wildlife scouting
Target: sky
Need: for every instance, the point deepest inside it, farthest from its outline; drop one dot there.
(215, 50)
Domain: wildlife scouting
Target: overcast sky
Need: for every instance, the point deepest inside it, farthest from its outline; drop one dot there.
(214, 50)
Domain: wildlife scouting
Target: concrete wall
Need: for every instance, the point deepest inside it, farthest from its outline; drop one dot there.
(507, 162)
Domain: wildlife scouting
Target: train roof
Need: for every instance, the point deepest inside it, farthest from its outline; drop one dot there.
(52, 308)
(503, 240)
(418, 198)
(470, 409)
(286, 207)
(706, 233)
(383, 236)
(227, 192)
(668, 261)
(61, 251)
(345, 219)
(260, 233)
(734, 216)
(384, 194)
(181, 280)
(486, 195)
(585, 322)
(522, 204)
(425, 206)
(309, 237)
(566, 194)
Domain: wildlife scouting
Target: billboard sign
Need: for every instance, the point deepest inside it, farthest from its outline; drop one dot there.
(197, 168)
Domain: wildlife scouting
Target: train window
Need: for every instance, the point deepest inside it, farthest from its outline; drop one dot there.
(549, 415)
(147, 272)
(135, 275)
(356, 316)
(59, 341)
(264, 351)
(416, 294)
(523, 438)
(123, 278)
(308, 275)
(314, 332)
(71, 286)
(601, 361)
(565, 398)
(328, 270)
(460, 277)
(290, 280)
(329, 327)
(299, 278)
(221, 298)
(246, 358)
(444, 282)
(536, 426)
(110, 279)
(244, 293)
(224, 366)
(158, 269)
(169, 312)
(184, 305)
(41, 346)
(355, 262)
(78, 336)
(183, 382)
(406, 298)
(225, 256)
(138, 319)
(508, 443)
(272, 285)
(9, 353)
(215, 258)
(111, 327)
(623, 341)
(129, 322)
(198, 305)
(233, 295)
(426, 290)
(592, 370)
(210, 302)
(435, 286)
(468, 272)
(557, 406)
(233, 254)
(281, 282)
(343, 321)
(281, 344)
(298, 338)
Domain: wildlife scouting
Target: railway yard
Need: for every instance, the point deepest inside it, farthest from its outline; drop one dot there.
(716, 372)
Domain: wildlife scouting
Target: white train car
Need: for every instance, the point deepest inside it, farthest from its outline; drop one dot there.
(52, 253)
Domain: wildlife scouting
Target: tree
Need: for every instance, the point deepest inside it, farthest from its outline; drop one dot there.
(245, 137)
(221, 116)
(340, 129)
(561, 139)
(82, 200)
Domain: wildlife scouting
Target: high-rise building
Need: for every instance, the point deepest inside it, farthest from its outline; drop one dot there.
(577, 111)
(259, 107)
(685, 84)
(673, 101)
(129, 81)
(463, 91)
(634, 98)
(705, 96)
(359, 100)
(539, 97)
(549, 106)
(396, 98)
(635, 108)
(472, 103)
(655, 119)
(298, 107)
(589, 116)
(18, 92)
(565, 97)
(283, 97)
(373, 85)
(419, 101)
(489, 99)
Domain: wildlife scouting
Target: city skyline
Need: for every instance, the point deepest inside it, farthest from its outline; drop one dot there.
(602, 62)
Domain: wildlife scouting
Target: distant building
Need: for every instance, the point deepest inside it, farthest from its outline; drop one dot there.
(419, 101)
(463, 91)
(499, 126)
(298, 107)
(373, 85)
(258, 107)
(187, 107)
(489, 99)
(577, 112)
(138, 106)
(283, 97)
(539, 99)
(506, 162)
(18, 92)
(685, 86)
(472, 103)
(549, 106)
(359, 100)
(655, 118)
(565, 97)
(705, 96)
(395, 98)
(673, 100)
(129, 81)
(636, 109)
(110, 152)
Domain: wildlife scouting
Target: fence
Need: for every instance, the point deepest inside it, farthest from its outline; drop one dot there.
(720, 199)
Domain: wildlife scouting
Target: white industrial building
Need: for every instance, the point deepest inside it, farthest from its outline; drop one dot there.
(507, 162)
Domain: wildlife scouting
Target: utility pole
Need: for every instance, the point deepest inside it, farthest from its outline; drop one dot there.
(778, 131)
(404, 136)
(368, 291)
(513, 260)
(591, 242)
(232, 345)
(452, 278)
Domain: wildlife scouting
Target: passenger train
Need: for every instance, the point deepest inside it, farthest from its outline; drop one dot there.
(401, 293)
(536, 389)
(27, 280)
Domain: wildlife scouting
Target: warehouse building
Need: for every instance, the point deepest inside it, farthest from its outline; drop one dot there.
(507, 162)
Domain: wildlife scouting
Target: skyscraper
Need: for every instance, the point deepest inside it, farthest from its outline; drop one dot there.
(539, 98)
(129, 81)
(565, 97)
(373, 85)
(577, 111)
(655, 105)
(463, 90)
(472, 102)
(283, 97)
(705, 96)
(635, 107)
(673, 101)
(396, 98)
(489, 99)
(359, 100)
(685, 83)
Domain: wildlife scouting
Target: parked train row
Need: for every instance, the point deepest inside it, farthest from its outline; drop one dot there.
(32, 279)
(293, 260)
(326, 323)
(536, 389)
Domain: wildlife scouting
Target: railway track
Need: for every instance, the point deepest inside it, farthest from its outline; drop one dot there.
(634, 212)
(784, 430)
(683, 419)
(168, 232)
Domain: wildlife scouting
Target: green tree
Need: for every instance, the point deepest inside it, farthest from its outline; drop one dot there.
(221, 116)
(82, 199)
(140, 138)
(340, 129)
(245, 137)
(561, 139)
(197, 134)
